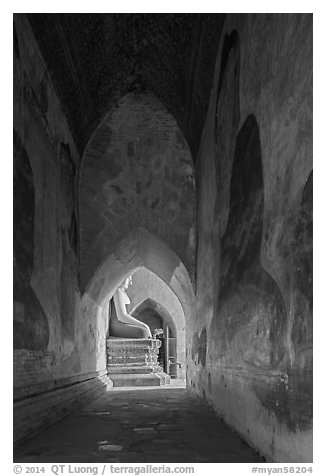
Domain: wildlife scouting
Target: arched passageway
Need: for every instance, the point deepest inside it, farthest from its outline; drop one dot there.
(149, 290)
(137, 209)
(141, 250)
(157, 318)
(174, 146)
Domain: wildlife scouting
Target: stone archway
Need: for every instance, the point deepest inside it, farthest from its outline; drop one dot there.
(136, 172)
(163, 316)
(139, 250)
(137, 209)
(156, 317)
(149, 288)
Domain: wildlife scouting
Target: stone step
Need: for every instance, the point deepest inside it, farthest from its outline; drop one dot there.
(113, 343)
(127, 361)
(126, 369)
(139, 380)
(131, 359)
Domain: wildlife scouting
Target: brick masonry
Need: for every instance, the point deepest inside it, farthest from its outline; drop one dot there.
(137, 171)
(34, 413)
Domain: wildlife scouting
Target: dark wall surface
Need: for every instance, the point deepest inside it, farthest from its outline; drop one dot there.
(250, 343)
(31, 329)
(46, 280)
(251, 323)
(96, 59)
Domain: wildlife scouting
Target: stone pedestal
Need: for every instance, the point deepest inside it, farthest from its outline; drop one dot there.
(133, 362)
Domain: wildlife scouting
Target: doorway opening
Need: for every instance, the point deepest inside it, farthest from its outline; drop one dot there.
(156, 317)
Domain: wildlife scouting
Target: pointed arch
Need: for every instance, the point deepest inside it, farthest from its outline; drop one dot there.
(158, 308)
(139, 249)
(136, 171)
(148, 291)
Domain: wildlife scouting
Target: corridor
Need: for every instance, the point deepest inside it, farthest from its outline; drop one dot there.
(141, 425)
(163, 186)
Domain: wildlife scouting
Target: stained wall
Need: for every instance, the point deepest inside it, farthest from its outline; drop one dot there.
(46, 288)
(47, 297)
(250, 345)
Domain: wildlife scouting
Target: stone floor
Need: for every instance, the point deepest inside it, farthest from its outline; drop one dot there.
(142, 425)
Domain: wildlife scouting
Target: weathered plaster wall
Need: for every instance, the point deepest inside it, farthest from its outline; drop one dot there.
(31, 328)
(45, 212)
(46, 271)
(137, 171)
(250, 345)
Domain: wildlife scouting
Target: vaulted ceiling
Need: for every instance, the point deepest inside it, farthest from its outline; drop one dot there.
(95, 59)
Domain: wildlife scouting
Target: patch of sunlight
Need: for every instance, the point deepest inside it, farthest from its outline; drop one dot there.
(107, 446)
